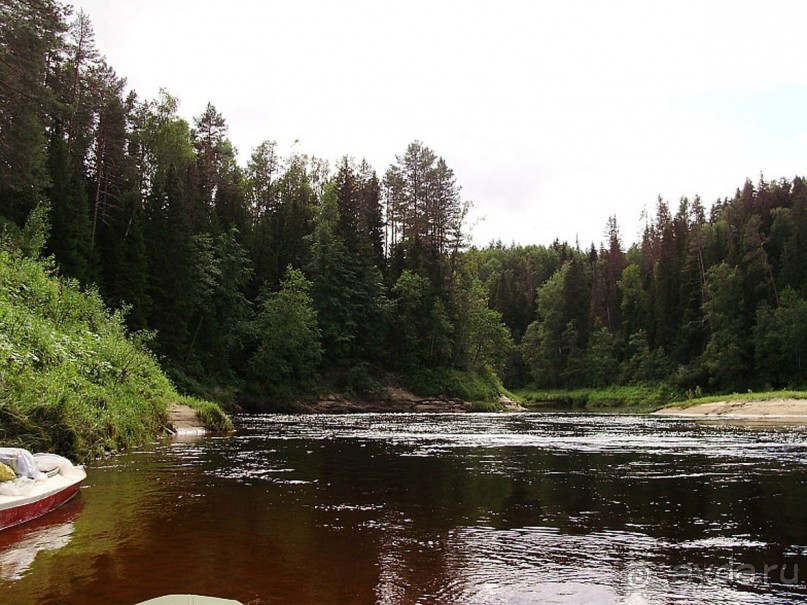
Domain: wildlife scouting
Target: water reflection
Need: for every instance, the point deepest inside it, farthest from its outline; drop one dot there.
(440, 509)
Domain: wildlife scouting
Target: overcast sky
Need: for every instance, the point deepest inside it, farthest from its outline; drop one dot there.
(553, 115)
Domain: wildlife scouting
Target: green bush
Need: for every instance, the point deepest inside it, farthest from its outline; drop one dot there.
(212, 416)
(72, 380)
(289, 350)
(476, 386)
(359, 380)
(612, 397)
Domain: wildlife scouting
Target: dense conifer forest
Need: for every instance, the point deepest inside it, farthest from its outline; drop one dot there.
(288, 272)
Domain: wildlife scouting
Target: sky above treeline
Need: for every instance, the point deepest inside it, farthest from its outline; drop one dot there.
(553, 115)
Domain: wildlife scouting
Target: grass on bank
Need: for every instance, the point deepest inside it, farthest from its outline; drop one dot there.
(212, 416)
(72, 380)
(634, 398)
(613, 398)
(748, 396)
(481, 387)
(363, 382)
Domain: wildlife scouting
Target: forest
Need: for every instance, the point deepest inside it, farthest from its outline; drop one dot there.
(288, 273)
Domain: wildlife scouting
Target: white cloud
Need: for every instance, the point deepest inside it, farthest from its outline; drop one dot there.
(553, 115)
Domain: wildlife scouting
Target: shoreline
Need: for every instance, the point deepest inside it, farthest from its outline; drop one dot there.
(396, 400)
(783, 409)
(184, 420)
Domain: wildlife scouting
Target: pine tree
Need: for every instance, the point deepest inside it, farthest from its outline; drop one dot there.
(370, 218)
(726, 354)
(31, 39)
(347, 284)
(214, 159)
(71, 237)
(424, 211)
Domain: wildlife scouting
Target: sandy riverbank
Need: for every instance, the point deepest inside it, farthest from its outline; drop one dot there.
(772, 409)
(184, 420)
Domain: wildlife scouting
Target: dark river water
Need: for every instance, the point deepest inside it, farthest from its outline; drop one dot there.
(445, 508)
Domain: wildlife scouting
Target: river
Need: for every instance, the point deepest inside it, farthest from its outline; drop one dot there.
(435, 509)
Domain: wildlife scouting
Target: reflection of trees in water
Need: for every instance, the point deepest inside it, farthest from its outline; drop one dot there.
(399, 515)
(411, 565)
(574, 525)
(423, 499)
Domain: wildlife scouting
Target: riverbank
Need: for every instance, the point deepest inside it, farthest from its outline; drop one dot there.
(609, 399)
(659, 400)
(184, 420)
(398, 400)
(357, 390)
(779, 408)
(73, 380)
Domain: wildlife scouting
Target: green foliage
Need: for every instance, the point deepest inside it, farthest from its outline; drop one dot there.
(71, 380)
(160, 217)
(542, 342)
(634, 304)
(628, 396)
(210, 414)
(555, 343)
(665, 239)
(690, 296)
(348, 290)
(30, 32)
(425, 209)
(767, 395)
(511, 277)
(780, 340)
(477, 386)
(420, 333)
(359, 380)
(725, 354)
(480, 338)
(71, 238)
(643, 365)
(289, 350)
(602, 361)
(284, 223)
(36, 231)
(223, 314)
(575, 369)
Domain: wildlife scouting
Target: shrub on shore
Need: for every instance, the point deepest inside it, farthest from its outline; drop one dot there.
(72, 380)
